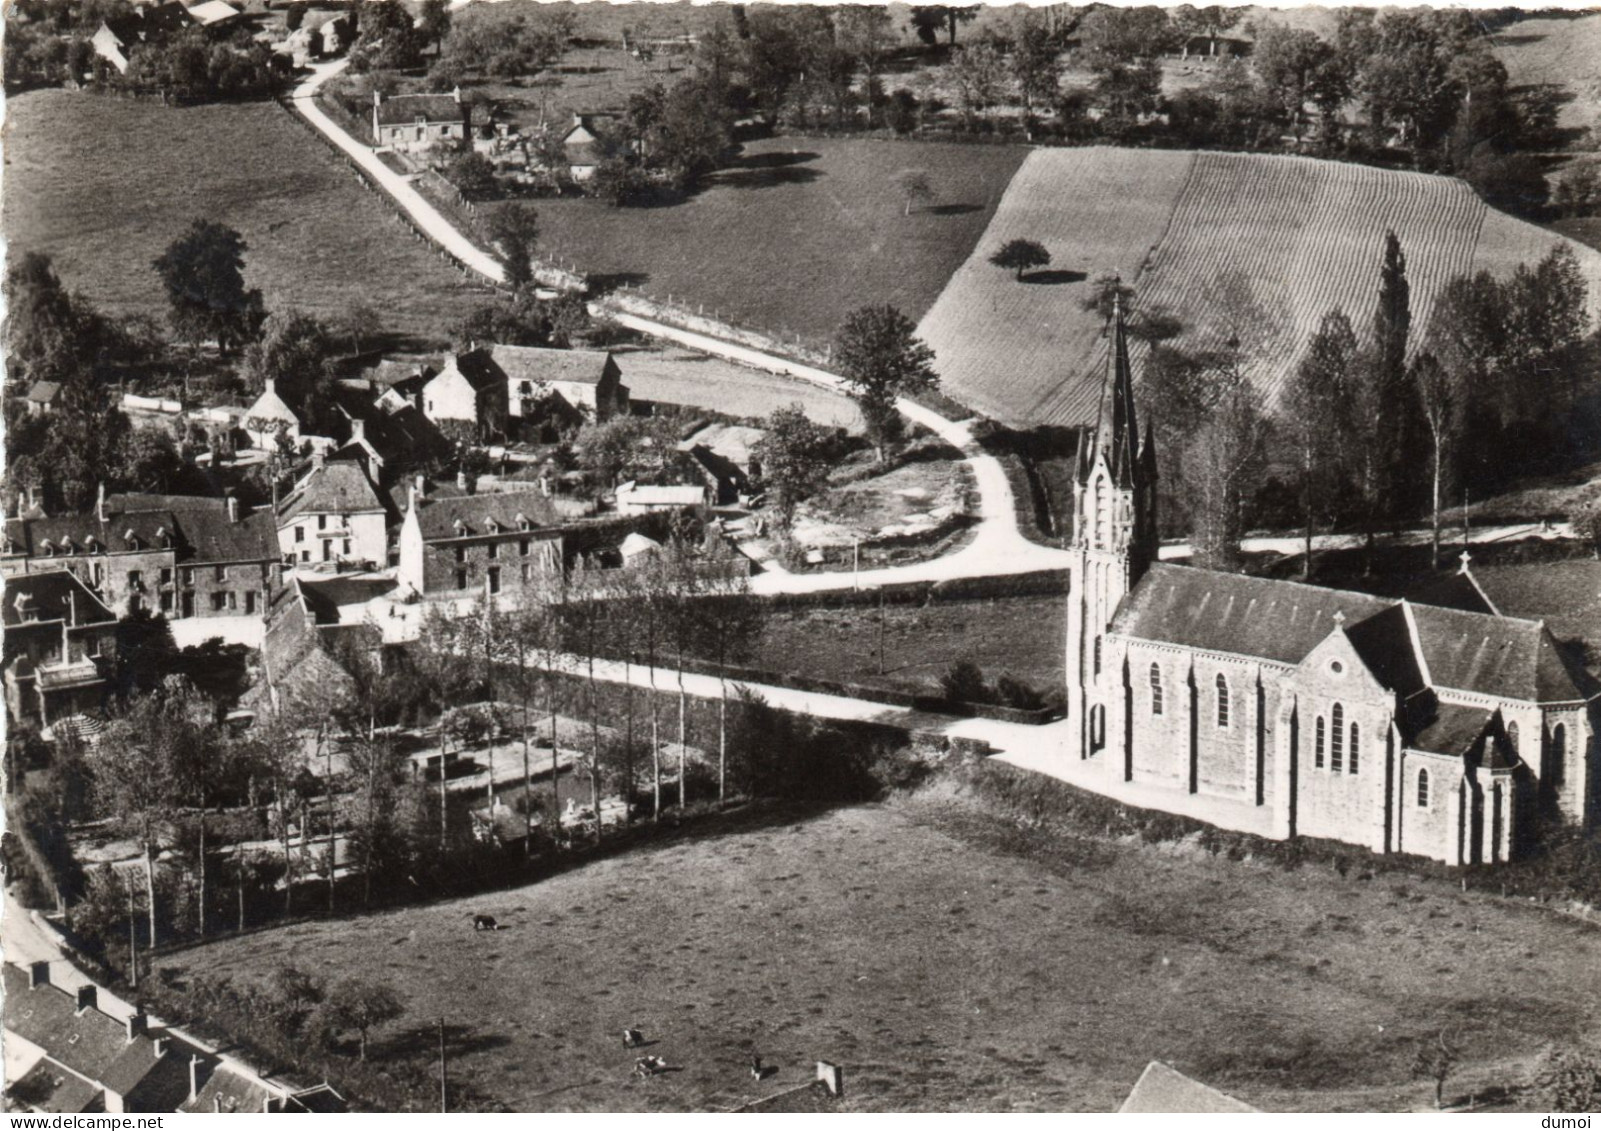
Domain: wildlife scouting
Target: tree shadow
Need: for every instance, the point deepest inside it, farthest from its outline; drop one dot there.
(953, 209)
(606, 283)
(423, 1041)
(1520, 39)
(1053, 278)
(767, 170)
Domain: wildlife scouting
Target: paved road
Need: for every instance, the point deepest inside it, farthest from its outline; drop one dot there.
(426, 216)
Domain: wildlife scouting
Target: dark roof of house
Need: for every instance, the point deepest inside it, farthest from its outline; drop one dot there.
(1453, 730)
(334, 488)
(163, 19)
(404, 109)
(213, 538)
(147, 526)
(91, 1043)
(1282, 621)
(43, 391)
(324, 597)
(49, 1087)
(139, 502)
(479, 367)
(479, 514)
(319, 1098)
(1233, 613)
(55, 595)
(394, 370)
(532, 363)
(228, 1091)
(1168, 1091)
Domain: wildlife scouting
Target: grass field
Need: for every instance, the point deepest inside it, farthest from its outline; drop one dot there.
(104, 185)
(1306, 234)
(918, 947)
(680, 376)
(799, 233)
(1019, 635)
(1557, 50)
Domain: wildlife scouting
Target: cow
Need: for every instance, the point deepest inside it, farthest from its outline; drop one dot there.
(485, 923)
(647, 1066)
(632, 1038)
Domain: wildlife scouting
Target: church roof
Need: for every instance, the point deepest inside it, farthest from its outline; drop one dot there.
(1406, 646)
(1168, 1091)
(1233, 613)
(1453, 730)
(1116, 430)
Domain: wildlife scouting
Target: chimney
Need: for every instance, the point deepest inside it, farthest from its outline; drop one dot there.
(456, 94)
(411, 501)
(421, 487)
(269, 385)
(233, 509)
(462, 482)
(194, 1077)
(377, 99)
(358, 429)
(138, 1025)
(38, 975)
(100, 503)
(87, 998)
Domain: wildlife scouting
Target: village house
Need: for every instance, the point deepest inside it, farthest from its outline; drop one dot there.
(407, 122)
(1293, 710)
(335, 517)
(587, 383)
(498, 542)
(41, 398)
(270, 417)
(467, 398)
(60, 640)
(725, 454)
(184, 556)
(638, 498)
(117, 36)
(582, 147)
(71, 1047)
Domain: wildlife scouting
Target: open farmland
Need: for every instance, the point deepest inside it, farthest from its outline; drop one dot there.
(950, 962)
(1557, 50)
(798, 233)
(103, 185)
(1306, 234)
(697, 380)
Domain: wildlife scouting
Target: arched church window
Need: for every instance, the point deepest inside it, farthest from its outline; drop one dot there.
(1423, 789)
(1156, 689)
(1322, 742)
(1222, 700)
(1512, 736)
(1097, 727)
(1356, 745)
(1097, 669)
(1337, 739)
(1559, 753)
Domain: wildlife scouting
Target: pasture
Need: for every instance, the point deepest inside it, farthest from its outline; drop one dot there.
(103, 185)
(672, 375)
(950, 961)
(1306, 235)
(1558, 49)
(797, 233)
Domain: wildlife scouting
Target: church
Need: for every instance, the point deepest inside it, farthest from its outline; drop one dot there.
(1397, 725)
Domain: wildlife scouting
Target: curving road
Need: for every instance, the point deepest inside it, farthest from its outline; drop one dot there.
(426, 216)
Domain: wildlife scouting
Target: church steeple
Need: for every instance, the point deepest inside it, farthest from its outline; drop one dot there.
(1117, 432)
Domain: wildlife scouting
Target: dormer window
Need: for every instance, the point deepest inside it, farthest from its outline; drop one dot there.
(461, 528)
(131, 539)
(493, 525)
(163, 537)
(69, 546)
(92, 544)
(48, 548)
(522, 521)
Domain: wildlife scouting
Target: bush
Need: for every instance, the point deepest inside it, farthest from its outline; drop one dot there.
(1013, 692)
(965, 683)
(1569, 1079)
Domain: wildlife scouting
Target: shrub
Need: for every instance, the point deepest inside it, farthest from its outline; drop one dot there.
(965, 683)
(1013, 692)
(1569, 1079)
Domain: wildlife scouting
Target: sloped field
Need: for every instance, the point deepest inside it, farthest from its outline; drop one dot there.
(1307, 236)
(1559, 50)
(1018, 351)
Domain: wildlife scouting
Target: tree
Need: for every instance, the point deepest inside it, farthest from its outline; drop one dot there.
(1222, 461)
(433, 24)
(1435, 1061)
(51, 334)
(1104, 291)
(1440, 395)
(295, 351)
(978, 70)
(295, 15)
(1313, 418)
(361, 324)
(618, 181)
(1569, 1078)
(881, 358)
(1035, 63)
(1291, 63)
(203, 273)
(864, 30)
(795, 457)
(473, 174)
(514, 230)
(354, 1003)
(1019, 255)
(915, 188)
(929, 20)
(1380, 395)
(1122, 46)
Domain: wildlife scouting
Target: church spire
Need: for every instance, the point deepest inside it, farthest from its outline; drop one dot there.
(1117, 435)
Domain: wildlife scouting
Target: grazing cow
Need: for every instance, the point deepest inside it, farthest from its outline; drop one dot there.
(485, 923)
(632, 1038)
(757, 1072)
(647, 1066)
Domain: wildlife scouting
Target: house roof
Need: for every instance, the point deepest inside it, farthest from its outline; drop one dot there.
(404, 109)
(229, 1091)
(212, 538)
(43, 392)
(731, 441)
(212, 12)
(394, 370)
(674, 495)
(476, 366)
(53, 595)
(88, 1042)
(1384, 641)
(139, 502)
(1161, 1089)
(1500, 656)
(31, 534)
(1233, 613)
(340, 487)
(49, 1087)
(637, 543)
(533, 363)
(1458, 589)
(270, 406)
(478, 515)
(324, 598)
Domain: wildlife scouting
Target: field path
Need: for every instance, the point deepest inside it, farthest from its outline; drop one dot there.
(428, 218)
